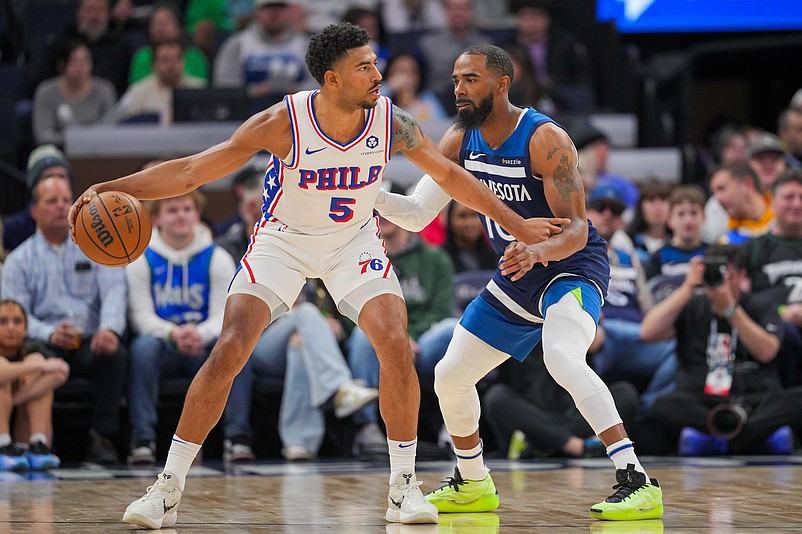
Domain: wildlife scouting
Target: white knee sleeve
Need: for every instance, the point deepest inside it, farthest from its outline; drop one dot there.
(567, 333)
(466, 361)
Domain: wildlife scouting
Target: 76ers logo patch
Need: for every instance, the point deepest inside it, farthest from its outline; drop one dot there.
(366, 261)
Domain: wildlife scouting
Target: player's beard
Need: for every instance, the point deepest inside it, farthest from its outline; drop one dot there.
(474, 117)
(370, 104)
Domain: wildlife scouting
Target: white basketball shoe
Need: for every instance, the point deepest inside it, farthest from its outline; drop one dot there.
(158, 507)
(406, 503)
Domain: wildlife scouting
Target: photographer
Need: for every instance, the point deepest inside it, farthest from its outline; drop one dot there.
(728, 396)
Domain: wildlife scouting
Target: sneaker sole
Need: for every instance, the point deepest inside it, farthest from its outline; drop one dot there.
(482, 504)
(655, 512)
(142, 520)
(395, 516)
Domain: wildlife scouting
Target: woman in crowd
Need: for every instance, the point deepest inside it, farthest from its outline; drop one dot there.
(73, 97)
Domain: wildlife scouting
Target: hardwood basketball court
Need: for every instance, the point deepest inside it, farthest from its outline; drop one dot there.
(722, 495)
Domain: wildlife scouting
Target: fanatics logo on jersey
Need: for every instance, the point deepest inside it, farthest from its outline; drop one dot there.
(372, 142)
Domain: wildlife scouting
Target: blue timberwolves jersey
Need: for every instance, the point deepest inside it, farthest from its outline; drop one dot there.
(180, 292)
(507, 171)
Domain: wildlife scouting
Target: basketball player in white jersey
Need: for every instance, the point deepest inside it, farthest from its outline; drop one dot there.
(329, 149)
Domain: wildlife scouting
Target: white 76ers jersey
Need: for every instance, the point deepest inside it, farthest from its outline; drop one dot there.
(323, 186)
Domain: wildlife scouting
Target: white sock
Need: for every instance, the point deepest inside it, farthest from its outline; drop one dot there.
(180, 458)
(402, 458)
(623, 453)
(38, 437)
(5, 439)
(471, 463)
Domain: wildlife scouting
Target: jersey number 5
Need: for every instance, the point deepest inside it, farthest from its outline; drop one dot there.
(340, 210)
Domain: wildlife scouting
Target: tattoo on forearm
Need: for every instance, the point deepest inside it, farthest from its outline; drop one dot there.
(406, 133)
(566, 179)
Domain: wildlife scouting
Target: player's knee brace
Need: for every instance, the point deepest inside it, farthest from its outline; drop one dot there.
(567, 333)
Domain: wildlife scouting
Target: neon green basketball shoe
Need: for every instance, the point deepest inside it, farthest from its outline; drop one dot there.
(460, 495)
(634, 498)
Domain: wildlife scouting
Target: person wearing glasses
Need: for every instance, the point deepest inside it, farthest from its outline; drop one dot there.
(618, 353)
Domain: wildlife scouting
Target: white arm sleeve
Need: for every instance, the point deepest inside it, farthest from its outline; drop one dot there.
(413, 212)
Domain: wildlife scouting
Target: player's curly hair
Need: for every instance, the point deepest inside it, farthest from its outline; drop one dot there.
(496, 59)
(332, 44)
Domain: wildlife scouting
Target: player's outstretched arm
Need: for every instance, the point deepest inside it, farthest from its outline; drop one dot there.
(179, 176)
(415, 211)
(460, 184)
(554, 159)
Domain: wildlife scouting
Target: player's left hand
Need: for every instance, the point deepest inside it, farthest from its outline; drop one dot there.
(538, 229)
(518, 259)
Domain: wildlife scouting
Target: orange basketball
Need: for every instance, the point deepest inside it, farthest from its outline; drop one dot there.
(113, 229)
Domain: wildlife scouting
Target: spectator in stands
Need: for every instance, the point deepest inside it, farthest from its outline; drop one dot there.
(403, 83)
(735, 186)
(248, 189)
(206, 19)
(110, 52)
(368, 19)
(775, 258)
(594, 148)
(789, 128)
(529, 411)
(561, 63)
(426, 277)
(774, 266)
(28, 376)
(75, 306)
(439, 48)
(317, 14)
(153, 95)
(729, 146)
(163, 24)
(301, 349)
(623, 355)
(465, 240)
(668, 266)
(767, 159)
(266, 58)
(727, 341)
(648, 228)
(525, 89)
(74, 97)
(419, 16)
(177, 291)
(46, 161)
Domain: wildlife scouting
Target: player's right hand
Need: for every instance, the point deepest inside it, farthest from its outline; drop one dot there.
(538, 229)
(76, 208)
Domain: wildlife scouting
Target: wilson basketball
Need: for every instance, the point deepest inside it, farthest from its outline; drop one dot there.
(113, 229)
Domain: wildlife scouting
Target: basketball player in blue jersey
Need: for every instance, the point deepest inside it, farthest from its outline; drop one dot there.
(550, 291)
(329, 149)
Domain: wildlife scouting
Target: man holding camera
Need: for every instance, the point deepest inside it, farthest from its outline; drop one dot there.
(729, 396)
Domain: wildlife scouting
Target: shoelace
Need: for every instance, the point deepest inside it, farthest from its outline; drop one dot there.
(623, 490)
(11, 450)
(159, 484)
(412, 489)
(38, 447)
(452, 482)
